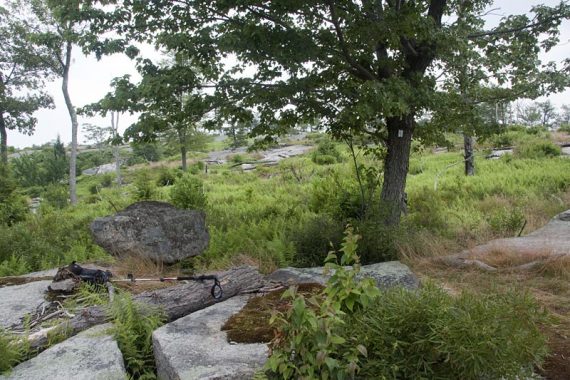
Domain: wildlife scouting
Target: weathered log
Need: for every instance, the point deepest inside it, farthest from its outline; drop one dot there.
(175, 301)
(20, 280)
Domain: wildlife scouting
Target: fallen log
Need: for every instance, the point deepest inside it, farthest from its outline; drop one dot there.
(175, 301)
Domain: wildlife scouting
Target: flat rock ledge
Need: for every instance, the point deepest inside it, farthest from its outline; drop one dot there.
(90, 355)
(553, 239)
(386, 275)
(18, 300)
(194, 347)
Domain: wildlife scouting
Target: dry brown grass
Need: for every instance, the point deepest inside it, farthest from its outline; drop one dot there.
(509, 258)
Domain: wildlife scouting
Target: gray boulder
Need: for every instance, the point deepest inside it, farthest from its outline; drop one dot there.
(388, 274)
(155, 230)
(18, 300)
(194, 347)
(90, 355)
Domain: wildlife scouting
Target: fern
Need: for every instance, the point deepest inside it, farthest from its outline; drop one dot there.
(133, 327)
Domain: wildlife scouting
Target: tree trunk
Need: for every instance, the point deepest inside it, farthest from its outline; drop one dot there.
(74, 126)
(3, 140)
(175, 301)
(400, 131)
(183, 154)
(116, 150)
(3, 132)
(468, 143)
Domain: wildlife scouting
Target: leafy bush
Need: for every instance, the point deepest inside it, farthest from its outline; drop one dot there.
(145, 152)
(564, 128)
(168, 177)
(506, 222)
(308, 340)
(188, 192)
(13, 209)
(313, 240)
(145, 188)
(56, 196)
(326, 153)
(430, 334)
(538, 149)
(133, 324)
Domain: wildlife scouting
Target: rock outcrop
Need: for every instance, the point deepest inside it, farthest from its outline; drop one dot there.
(552, 239)
(91, 355)
(388, 274)
(155, 230)
(18, 300)
(194, 347)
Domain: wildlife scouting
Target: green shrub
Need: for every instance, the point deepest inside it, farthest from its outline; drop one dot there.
(309, 341)
(506, 221)
(313, 240)
(188, 192)
(564, 128)
(145, 188)
(503, 140)
(168, 177)
(379, 241)
(56, 196)
(537, 149)
(430, 334)
(13, 210)
(133, 324)
(326, 153)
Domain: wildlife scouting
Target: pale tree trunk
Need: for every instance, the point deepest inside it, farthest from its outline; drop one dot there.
(3, 132)
(74, 126)
(468, 142)
(399, 142)
(3, 140)
(116, 150)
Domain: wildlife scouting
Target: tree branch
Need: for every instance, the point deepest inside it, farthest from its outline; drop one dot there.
(361, 70)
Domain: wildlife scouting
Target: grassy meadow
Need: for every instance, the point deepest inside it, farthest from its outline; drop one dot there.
(295, 212)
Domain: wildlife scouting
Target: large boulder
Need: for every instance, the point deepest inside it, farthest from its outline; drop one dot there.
(387, 274)
(18, 300)
(155, 230)
(194, 347)
(92, 354)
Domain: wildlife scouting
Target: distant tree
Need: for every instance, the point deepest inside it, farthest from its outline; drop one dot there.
(169, 100)
(547, 113)
(564, 115)
(22, 76)
(529, 114)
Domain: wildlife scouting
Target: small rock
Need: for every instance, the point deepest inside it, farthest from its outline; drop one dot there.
(387, 274)
(194, 347)
(246, 167)
(18, 300)
(155, 230)
(66, 286)
(90, 355)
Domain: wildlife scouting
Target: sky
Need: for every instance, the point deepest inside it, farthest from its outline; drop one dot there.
(90, 81)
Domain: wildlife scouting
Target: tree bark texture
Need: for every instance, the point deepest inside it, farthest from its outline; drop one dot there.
(116, 150)
(175, 301)
(183, 155)
(468, 142)
(3, 140)
(399, 142)
(74, 126)
(3, 131)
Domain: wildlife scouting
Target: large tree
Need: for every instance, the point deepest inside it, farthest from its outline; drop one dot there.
(367, 66)
(22, 76)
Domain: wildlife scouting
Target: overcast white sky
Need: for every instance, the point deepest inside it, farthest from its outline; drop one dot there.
(89, 82)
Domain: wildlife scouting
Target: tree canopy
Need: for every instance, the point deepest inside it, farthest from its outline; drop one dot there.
(360, 67)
